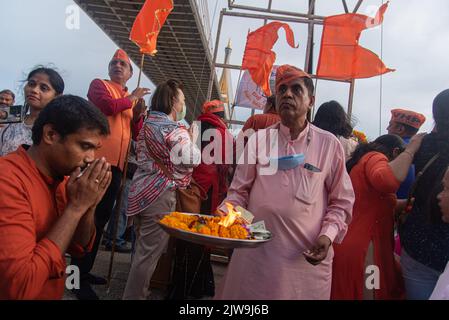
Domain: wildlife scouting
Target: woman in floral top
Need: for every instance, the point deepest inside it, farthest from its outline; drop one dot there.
(43, 85)
(161, 140)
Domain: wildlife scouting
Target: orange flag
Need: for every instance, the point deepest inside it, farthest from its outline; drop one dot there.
(258, 58)
(148, 24)
(341, 57)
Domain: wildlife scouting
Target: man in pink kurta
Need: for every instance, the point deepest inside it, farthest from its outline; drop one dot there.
(306, 208)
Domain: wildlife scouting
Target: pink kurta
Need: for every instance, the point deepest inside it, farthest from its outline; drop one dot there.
(298, 206)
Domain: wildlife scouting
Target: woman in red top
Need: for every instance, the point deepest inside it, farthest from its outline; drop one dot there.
(376, 170)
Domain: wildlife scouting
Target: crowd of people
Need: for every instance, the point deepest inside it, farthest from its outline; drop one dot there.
(340, 208)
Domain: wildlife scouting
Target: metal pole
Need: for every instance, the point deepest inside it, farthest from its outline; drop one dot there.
(309, 51)
(357, 6)
(217, 41)
(308, 65)
(286, 13)
(140, 71)
(271, 17)
(345, 5)
(116, 214)
(351, 98)
(253, 111)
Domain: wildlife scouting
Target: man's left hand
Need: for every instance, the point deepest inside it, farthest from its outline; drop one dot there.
(319, 251)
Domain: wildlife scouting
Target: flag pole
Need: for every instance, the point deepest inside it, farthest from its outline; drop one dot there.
(141, 68)
(119, 202)
(116, 213)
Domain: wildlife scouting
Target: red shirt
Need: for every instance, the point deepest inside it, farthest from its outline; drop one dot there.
(31, 265)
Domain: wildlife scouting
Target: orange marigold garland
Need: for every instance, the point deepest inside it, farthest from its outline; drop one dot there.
(206, 225)
(361, 137)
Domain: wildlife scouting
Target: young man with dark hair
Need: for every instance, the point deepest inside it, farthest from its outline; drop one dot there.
(43, 213)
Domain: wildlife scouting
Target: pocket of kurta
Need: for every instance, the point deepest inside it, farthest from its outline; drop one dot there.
(309, 186)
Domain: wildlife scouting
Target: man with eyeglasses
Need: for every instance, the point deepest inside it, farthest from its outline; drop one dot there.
(125, 117)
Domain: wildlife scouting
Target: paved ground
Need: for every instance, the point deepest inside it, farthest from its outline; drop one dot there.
(120, 272)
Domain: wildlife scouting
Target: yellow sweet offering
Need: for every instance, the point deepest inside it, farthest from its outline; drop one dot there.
(206, 225)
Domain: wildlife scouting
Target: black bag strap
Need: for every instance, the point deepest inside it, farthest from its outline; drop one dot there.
(411, 194)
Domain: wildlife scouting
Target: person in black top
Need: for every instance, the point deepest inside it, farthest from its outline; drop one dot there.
(424, 236)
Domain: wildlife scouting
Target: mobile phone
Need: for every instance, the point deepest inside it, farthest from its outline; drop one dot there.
(12, 114)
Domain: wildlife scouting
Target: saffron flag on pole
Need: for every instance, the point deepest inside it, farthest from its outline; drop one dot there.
(258, 58)
(341, 56)
(148, 24)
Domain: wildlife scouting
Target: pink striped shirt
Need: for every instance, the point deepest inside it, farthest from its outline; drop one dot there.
(164, 137)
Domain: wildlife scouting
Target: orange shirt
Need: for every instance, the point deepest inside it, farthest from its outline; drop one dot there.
(261, 121)
(31, 265)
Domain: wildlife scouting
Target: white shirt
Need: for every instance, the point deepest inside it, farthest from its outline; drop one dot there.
(441, 291)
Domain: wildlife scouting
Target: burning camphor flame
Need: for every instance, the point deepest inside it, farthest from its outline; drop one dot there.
(229, 219)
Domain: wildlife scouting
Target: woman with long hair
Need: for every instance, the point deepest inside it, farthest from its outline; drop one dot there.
(424, 235)
(332, 117)
(42, 86)
(376, 170)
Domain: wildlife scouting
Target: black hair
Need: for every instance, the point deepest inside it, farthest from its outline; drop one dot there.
(271, 103)
(7, 91)
(68, 114)
(220, 114)
(55, 78)
(332, 117)
(165, 95)
(384, 144)
(440, 110)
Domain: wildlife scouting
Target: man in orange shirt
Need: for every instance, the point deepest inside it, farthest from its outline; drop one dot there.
(263, 121)
(125, 117)
(43, 214)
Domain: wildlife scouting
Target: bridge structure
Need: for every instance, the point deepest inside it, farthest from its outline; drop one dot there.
(184, 50)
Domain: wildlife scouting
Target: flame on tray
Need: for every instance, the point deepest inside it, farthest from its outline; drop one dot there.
(232, 215)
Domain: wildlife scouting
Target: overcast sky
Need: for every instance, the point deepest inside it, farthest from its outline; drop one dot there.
(415, 43)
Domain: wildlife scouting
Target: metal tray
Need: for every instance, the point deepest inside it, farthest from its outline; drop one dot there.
(209, 240)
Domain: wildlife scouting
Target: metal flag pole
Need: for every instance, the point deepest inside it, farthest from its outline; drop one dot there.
(141, 68)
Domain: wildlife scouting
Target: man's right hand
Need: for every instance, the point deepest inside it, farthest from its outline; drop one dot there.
(85, 191)
(139, 93)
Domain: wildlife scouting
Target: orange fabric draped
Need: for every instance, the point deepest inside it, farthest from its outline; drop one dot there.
(258, 58)
(148, 24)
(341, 57)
